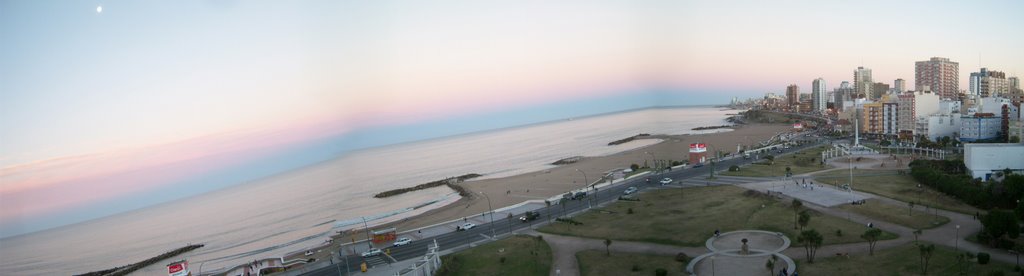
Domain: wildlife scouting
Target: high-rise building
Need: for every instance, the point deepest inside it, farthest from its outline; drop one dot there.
(900, 85)
(792, 95)
(842, 94)
(862, 82)
(878, 89)
(1014, 83)
(975, 82)
(939, 75)
(818, 99)
(992, 83)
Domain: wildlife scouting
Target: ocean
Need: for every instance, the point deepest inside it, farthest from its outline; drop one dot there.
(298, 209)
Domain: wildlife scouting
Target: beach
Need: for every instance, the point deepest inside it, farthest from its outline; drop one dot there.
(540, 185)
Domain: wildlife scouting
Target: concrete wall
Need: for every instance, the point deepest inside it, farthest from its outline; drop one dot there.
(984, 159)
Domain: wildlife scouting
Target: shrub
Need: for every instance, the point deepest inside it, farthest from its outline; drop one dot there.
(502, 260)
(983, 258)
(682, 257)
(636, 267)
(634, 167)
(734, 168)
(839, 232)
(660, 272)
(629, 211)
(996, 273)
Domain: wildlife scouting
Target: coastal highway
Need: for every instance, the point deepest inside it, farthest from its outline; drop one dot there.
(481, 232)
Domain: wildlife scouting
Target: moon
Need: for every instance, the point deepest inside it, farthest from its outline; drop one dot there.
(99, 9)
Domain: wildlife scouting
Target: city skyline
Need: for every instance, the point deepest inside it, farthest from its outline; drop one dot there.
(123, 85)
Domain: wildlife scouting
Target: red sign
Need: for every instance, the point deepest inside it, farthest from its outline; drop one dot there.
(175, 268)
(697, 146)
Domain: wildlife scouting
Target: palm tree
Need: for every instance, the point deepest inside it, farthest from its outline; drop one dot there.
(804, 219)
(926, 255)
(607, 244)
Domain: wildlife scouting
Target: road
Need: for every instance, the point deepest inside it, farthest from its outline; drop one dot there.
(500, 226)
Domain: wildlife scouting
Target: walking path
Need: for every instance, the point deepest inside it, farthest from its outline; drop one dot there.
(564, 248)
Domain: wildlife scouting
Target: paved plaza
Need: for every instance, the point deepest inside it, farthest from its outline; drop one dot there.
(817, 193)
(727, 257)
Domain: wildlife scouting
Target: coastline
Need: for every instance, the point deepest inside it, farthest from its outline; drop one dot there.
(511, 190)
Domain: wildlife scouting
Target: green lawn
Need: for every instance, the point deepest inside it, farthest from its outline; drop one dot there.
(902, 215)
(902, 260)
(688, 217)
(595, 262)
(805, 161)
(524, 255)
(899, 187)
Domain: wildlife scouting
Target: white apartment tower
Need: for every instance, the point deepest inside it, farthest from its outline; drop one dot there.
(900, 85)
(818, 95)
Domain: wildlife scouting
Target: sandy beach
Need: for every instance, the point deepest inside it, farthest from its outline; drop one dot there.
(512, 190)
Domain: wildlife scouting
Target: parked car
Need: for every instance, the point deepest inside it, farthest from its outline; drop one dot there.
(529, 215)
(372, 252)
(698, 165)
(579, 195)
(629, 190)
(402, 241)
(465, 226)
(309, 252)
(666, 181)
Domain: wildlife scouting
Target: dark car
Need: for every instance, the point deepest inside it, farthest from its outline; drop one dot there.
(578, 195)
(529, 215)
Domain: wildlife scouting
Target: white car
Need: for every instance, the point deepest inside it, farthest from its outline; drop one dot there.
(467, 226)
(629, 190)
(372, 252)
(666, 181)
(402, 241)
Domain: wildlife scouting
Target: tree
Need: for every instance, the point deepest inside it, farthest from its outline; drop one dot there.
(771, 267)
(771, 159)
(796, 211)
(910, 212)
(803, 219)
(916, 234)
(998, 223)
(607, 245)
(1015, 139)
(926, 255)
(811, 240)
(872, 235)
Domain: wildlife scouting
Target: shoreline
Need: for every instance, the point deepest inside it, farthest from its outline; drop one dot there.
(543, 184)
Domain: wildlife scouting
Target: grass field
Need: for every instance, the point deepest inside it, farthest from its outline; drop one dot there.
(801, 162)
(523, 255)
(902, 260)
(595, 262)
(902, 215)
(688, 217)
(899, 187)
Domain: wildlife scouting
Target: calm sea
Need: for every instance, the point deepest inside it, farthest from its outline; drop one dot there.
(299, 209)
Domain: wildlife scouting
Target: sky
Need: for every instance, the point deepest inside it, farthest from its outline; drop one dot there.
(94, 92)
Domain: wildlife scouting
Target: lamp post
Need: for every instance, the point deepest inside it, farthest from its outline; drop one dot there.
(957, 238)
(366, 229)
(586, 186)
(653, 160)
(492, 212)
(1015, 253)
(712, 265)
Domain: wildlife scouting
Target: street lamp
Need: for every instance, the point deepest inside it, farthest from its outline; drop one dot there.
(1015, 253)
(492, 212)
(957, 237)
(586, 186)
(712, 265)
(653, 159)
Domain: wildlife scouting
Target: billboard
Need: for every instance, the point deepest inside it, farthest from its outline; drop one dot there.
(386, 235)
(698, 147)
